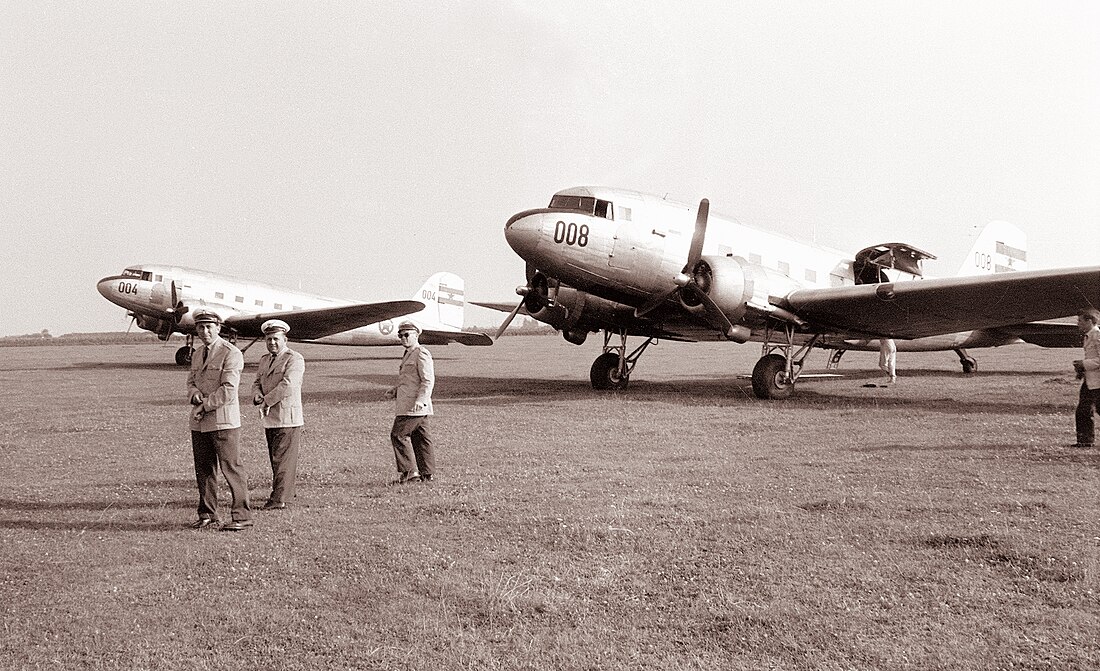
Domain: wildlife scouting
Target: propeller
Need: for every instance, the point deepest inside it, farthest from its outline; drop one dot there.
(695, 253)
(535, 287)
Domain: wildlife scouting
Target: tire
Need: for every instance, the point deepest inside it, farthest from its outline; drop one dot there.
(969, 365)
(605, 373)
(183, 356)
(769, 378)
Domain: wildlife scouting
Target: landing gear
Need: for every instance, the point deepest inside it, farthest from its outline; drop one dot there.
(770, 378)
(611, 370)
(969, 363)
(605, 373)
(834, 360)
(775, 373)
(183, 356)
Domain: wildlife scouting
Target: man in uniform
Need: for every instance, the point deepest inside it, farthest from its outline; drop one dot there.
(410, 435)
(278, 393)
(215, 423)
(1088, 369)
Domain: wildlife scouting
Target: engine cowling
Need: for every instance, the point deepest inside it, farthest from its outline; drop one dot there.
(729, 281)
(573, 312)
(186, 312)
(162, 327)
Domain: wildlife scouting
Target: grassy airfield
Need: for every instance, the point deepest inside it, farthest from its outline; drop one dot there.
(681, 524)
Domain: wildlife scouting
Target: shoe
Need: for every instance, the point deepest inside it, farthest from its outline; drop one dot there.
(274, 505)
(426, 478)
(237, 525)
(203, 522)
(1086, 446)
(406, 478)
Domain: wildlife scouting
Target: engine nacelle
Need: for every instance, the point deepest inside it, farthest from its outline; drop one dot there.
(162, 327)
(729, 281)
(571, 311)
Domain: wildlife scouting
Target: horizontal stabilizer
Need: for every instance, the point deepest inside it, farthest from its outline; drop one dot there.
(321, 322)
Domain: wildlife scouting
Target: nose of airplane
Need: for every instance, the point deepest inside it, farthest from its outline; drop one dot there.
(522, 232)
(106, 287)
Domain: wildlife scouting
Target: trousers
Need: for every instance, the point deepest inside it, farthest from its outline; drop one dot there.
(1087, 403)
(412, 444)
(282, 451)
(212, 449)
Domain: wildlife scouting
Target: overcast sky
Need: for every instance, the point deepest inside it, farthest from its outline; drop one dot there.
(353, 148)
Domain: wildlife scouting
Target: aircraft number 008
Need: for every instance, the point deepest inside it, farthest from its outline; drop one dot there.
(127, 288)
(571, 234)
(983, 261)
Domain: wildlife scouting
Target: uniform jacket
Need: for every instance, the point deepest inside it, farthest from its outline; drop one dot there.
(279, 380)
(1091, 362)
(217, 380)
(415, 380)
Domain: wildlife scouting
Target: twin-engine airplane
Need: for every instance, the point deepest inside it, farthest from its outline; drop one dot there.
(163, 299)
(630, 264)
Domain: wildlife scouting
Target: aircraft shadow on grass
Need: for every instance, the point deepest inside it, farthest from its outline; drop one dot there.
(709, 391)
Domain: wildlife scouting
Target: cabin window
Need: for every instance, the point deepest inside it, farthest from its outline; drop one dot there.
(624, 213)
(260, 303)
(219, 295)
(784, 267)
(295, 308)
(811, 275)
(278, 306)
(239, 299)
(158, 278)
(754, 258)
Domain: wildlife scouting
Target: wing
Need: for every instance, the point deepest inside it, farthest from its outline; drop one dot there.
(430, 337)
(919, 308)
(321, 322)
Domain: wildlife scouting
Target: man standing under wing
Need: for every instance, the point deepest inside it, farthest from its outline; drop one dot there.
(410, 435)
(215, 423)
(278, 392)
(1089, 369)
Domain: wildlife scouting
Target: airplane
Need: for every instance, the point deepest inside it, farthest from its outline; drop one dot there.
(164, 298)
(632, 264)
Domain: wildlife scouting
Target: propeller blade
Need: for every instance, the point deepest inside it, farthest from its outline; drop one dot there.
(655, 303)
(695, 252)
(511, 316)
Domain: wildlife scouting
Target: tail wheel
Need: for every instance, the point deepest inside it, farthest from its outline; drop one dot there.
(605, 372)
(183, 356)
(769, 378)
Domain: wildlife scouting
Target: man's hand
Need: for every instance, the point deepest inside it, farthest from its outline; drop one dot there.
(257, 399)
(197, 399)
(390, 393)
(197, 413)
(1079, 367)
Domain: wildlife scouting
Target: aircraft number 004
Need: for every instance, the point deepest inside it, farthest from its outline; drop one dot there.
(571, 234)
(127, 288)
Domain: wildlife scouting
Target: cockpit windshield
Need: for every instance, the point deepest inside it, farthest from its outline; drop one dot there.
(587, 204)
(138, 273)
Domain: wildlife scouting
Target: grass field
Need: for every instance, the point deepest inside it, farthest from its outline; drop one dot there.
(681, 524)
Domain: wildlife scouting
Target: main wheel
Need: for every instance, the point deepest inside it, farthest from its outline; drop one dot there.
(969, 364)
(769, 378)
(183, 356)
(605, 372)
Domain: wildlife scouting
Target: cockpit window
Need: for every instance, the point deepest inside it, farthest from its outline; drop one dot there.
(586, 204)
(132, 272)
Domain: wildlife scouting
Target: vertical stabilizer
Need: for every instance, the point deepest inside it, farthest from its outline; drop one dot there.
(1001, 247)
(444, 296)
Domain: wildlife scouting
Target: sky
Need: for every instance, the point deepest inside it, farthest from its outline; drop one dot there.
(353, 148)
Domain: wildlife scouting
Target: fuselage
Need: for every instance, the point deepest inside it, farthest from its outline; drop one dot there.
(626, 246)
(154, 294)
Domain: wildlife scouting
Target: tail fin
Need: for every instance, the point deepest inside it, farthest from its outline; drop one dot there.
(444, 297)
(1000, 247)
